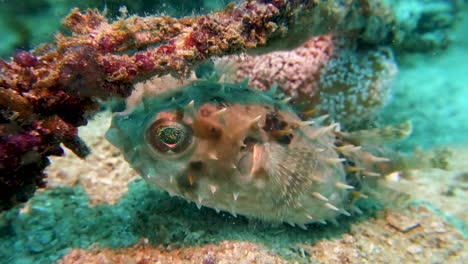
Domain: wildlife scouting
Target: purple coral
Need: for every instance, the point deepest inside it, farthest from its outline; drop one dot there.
(24, 155)
(25, 59)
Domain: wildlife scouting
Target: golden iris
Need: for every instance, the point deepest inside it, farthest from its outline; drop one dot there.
(168, 136)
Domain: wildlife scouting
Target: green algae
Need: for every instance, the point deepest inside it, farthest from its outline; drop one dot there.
(61, 219)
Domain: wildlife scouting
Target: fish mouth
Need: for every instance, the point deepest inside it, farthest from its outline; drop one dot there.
(253, 162)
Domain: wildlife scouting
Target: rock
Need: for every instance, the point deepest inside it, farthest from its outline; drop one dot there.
(415, 249)
(400, 222)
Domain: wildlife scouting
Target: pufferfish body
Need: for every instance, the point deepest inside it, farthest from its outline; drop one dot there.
(231, 148)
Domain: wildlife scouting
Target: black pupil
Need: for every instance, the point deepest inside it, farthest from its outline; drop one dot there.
(170, 135)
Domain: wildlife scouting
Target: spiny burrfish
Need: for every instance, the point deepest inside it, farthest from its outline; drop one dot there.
(232, 148)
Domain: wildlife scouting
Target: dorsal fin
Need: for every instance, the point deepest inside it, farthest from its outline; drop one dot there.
(272, 91)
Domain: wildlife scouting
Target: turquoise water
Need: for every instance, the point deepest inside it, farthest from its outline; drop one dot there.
(430, 90)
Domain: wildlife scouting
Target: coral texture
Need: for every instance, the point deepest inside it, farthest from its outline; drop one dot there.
(355, 85)
(424, 25)
(295, 72)
(326, 75)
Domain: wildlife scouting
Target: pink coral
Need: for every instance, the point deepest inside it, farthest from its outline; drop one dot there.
(326, 75)
(293, 71)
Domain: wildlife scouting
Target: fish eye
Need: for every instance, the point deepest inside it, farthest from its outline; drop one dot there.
(169, 137)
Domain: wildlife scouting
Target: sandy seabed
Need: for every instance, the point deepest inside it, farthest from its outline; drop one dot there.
(430, 230)
(414, 234)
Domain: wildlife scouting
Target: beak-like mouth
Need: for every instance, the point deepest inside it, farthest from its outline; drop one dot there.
(253, 161)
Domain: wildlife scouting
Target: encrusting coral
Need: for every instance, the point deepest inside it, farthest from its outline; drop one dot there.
(295, 72)
(326, 75)
(47, 92)
(355, 85)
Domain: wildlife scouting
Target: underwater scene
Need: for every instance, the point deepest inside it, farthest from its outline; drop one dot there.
(248, 131)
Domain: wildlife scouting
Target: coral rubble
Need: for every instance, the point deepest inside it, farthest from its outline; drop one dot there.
(224, 252)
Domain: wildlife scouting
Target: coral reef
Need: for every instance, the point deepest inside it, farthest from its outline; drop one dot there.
(26, 24)
(355, 85)
(418, 25)
(295, 72)
(38, 87)
(326, 75)
(423, 25)
(47, 93)
(26, 140)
